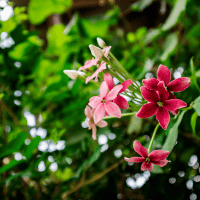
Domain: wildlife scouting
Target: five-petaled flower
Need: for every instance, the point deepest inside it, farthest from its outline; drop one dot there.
(164, 74)
(93, 62)
(89, 114)
(159, 104)
(156, 157)
(119, 100)
(104, 102)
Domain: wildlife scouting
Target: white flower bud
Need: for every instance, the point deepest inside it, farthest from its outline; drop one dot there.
(73, 74)
(101, 43)
(96, 51)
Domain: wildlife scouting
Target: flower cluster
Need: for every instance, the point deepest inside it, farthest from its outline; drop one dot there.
(158, 93)
(110, 101)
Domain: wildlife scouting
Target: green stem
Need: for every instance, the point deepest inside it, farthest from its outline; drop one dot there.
(123, 115)
(153, 137)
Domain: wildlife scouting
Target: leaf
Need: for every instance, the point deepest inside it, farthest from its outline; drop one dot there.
(76, 137)
(151, 35)
(14, 145)
(193, 124)
(135, 125)
(39, 10)
(173, 134)
(1, 95)
(141, 5)
(12, 164)
(169, 46)
(89, 162)
(179, 7)
(193, 78)
(157, 170)
(32, 146)
(196, 105)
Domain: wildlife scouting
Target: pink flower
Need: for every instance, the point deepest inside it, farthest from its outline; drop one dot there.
(159, 104)
(163, 74)
(93, 62)
(119, 100)
(157, 157)
(89, 114)
(103, 103)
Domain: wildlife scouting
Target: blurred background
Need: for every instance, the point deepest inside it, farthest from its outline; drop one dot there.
(46, 149)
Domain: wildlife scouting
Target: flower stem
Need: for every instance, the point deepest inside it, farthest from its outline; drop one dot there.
(123, 115)
(153, 137)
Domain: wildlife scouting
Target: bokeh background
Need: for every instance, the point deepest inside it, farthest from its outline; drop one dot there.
(46, 149)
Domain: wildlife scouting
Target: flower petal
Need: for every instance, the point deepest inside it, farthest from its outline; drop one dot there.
(99, 113)
(106, 51)
(121, 102)
(88, 64)
(102, 123)
(125, 85)
(179, 84)
(134, 159)
(172, 96)
(109, 80)
(147, 110)
(173, 104)
(163, 74)
(163, 117)
(95, 75)
(140, 149)
(94, 130)
(163, 93)
(114, 92)
(94, 101)
(158, 155)
(161, 163)
(150, 83)
(103, 89)
(149, 95)
(88, 112)
(147, 166)
(112, 109)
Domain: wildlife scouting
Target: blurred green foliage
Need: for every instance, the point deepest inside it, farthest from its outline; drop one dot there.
(32, 83)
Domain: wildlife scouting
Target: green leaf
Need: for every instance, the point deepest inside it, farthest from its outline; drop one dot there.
(169, 46)
(31, 147)
(174, 15)
(193, 78)
(14, 145)
(141, 5)
(75, 138)
(1, 95)
(157, 170)
(193, 124)
(39, 10)
(173, 134)
(12, 164)
(196, 105)
(87, 163)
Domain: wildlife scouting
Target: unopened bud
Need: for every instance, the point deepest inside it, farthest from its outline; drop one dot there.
(73, 74)
(96, 51)
(101, 43)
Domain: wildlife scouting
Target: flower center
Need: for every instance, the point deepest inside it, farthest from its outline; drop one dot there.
(103, 100)
(148, 160)
(160, 104)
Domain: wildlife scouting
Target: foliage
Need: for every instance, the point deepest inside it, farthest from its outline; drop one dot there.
(33, 86)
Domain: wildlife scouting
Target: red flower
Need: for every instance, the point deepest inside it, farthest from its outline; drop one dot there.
(163, 74)
(157, 157)
(119, 100)
(159, 104)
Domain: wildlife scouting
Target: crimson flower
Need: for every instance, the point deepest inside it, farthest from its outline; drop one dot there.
(103, 103)
(156, 157)
(164, 74)
(93, 62)
(159, 104)
(89, 114)
(119, 100)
